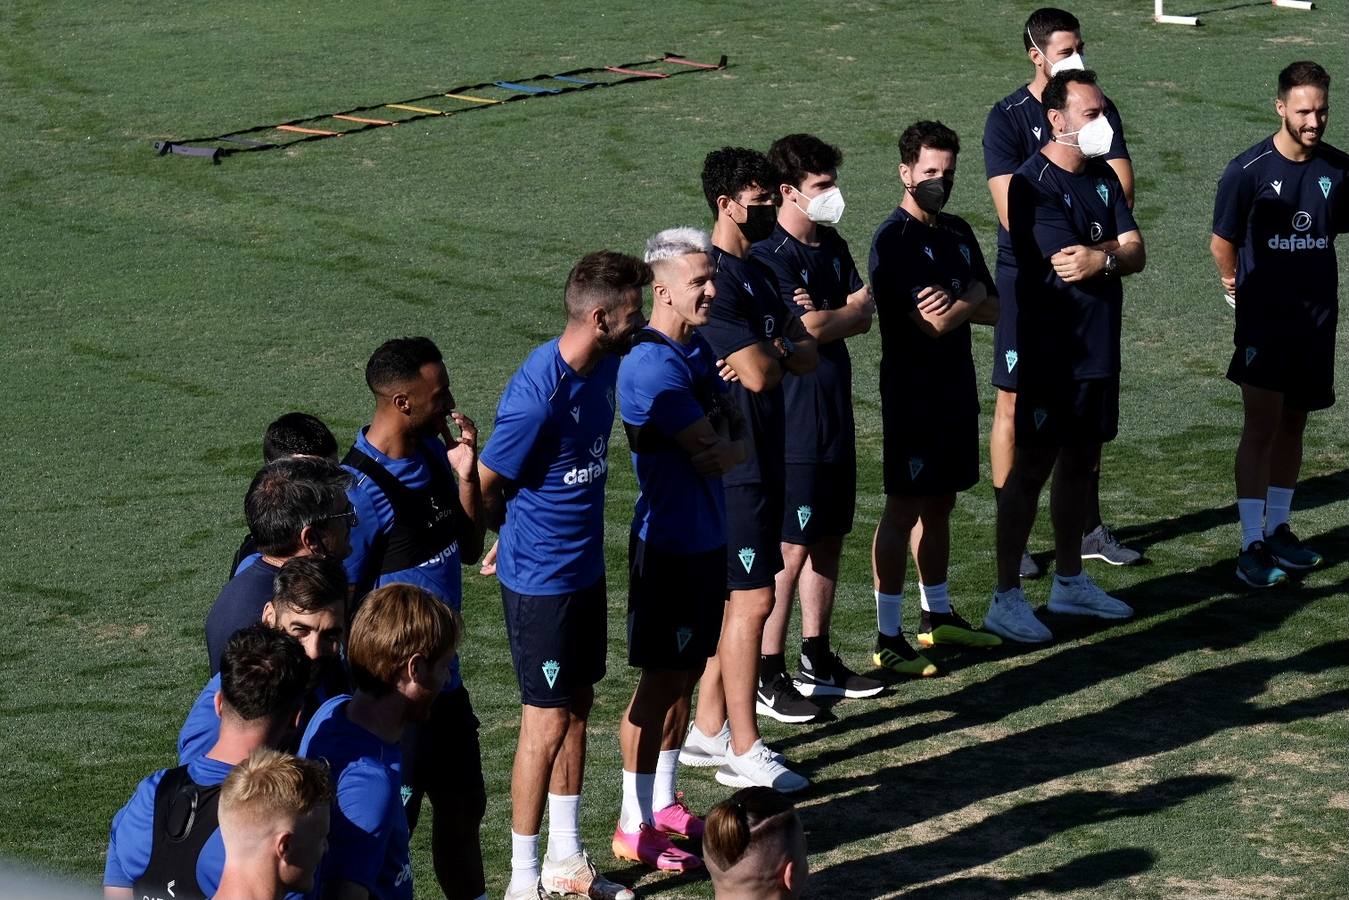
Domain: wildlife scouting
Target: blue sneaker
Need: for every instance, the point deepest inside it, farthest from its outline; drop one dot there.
(1257, 567)
(1289, 551)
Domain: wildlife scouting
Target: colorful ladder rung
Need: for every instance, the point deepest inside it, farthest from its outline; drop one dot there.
(525, 88)
(571, 78)
(416, 109)
(622, 71)
(361, 120)
(679, 60)
(298, 129)
(469, 99)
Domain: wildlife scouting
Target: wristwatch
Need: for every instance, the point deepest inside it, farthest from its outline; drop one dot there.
(786, 347)
(1111, 264)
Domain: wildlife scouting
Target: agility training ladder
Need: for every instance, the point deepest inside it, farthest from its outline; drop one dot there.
(441, 103)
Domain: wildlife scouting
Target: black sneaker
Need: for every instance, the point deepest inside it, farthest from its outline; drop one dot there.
(1029, 567)
(782, 701)
(829, 677)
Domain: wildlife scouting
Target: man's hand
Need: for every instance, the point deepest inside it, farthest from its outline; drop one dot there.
(489, 562)
(1230, 289)
(863, 300)
(1078, 263)
(933, 300)
(717, 457)
(463, 450)
(802, 299)
(726, 372)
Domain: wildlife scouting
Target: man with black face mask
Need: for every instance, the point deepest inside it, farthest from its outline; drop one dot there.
(930, 282)
(1017, 127)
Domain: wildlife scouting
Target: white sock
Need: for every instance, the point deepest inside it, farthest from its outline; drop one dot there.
(1251, 512)
(564, 826)
(1277, 504)
(889, 610)
(636, 809)
(524, 861)
(934, 598)
(666, 768)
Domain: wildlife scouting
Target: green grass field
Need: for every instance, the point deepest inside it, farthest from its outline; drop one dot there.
(158, 312)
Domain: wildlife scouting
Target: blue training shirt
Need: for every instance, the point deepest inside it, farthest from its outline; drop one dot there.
(1066, 330)
(820, 425)
(441, 575)
(1284, 216)
(368, 837)
(551, 442)
(748, 310)
(677, 509)
(132, 834)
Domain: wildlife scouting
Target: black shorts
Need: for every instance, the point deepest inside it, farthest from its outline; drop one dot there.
(442, 760)
(753, 536)
(558, 642)
(1303, 371)
(820, 500)
(1005, 357)
(1067, 412)
(675, 605)
(931, 457)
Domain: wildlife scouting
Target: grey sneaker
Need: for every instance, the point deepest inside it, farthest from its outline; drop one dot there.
(1101, 544)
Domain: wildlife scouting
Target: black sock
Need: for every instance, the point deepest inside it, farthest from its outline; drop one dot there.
(771, 665)
(815, 648)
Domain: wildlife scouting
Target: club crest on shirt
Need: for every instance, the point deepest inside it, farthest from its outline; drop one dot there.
(550, 670)
(915, 466)
(1324, 182)
(965, 252)
(406, 793)
(1250, 355)
(683, 635)
(1035, 130)
(1102, 191)
(1278, 187)
(746, 555)
(1011, 357)
(803, 516)
(1040, 416)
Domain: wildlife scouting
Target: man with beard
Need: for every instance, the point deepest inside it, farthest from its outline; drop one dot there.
(1017, 127)
(419, 513)
(1279, 207)
(543, 478)
(402, 652)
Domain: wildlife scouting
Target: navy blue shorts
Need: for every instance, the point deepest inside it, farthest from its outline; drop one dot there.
(753, 536)
(1005, 358)
(1067, 412)
(1302, 370)
(820, 501)
(675, 605)
(933, 457)
(442, 760)
(558, 642)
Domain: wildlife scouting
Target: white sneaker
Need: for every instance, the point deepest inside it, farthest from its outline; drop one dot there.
(534, 891)
(1083, 597)
(701, 751)
(577, 875)
(759, 766)
(1010, 617)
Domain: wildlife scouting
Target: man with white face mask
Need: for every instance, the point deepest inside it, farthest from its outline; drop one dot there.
(1073, 237)
(1016, 128)
(806, 253)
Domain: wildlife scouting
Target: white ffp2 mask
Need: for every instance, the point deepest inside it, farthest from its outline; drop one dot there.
(825, 208)
(1094, 138)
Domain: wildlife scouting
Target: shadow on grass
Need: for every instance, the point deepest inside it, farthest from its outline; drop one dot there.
(1091, 871)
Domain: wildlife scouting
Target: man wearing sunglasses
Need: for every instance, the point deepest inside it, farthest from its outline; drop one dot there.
(419, 507)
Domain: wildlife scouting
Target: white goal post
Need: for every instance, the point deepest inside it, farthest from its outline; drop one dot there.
(1161, 18)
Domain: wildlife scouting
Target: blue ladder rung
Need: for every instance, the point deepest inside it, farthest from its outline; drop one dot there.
(525, 88)
(572, 78)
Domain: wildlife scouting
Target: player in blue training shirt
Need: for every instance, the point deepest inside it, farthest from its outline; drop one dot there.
(1279, 207)
(420, 517)
(684, 436)
(310, 605)
(762, 343)
(1074, 239)
(543, 477)
(293, 434)
(264, 677)
(804, 251)
(296, 506)
(1016, 129)
(402, 649)
(930, 283)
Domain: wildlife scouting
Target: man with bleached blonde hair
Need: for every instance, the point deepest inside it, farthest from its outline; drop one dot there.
(274, 821)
